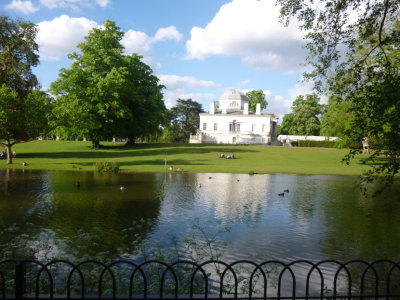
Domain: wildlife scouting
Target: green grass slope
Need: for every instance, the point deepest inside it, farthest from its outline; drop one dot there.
(200, 158)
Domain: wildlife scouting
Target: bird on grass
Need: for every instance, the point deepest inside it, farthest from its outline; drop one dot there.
(78, 184)
(122, 188)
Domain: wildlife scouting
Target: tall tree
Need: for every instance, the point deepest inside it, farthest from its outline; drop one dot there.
(354, 55)
(144, 99)
(337, 118)
(184, 120)
(105, 93)
(23, 109)
(18, 54)
(304, 119)
(256, 96)
(287, 124)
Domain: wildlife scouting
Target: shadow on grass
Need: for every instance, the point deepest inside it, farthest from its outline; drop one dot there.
(112, 152)
(156, 162)
(377, 161)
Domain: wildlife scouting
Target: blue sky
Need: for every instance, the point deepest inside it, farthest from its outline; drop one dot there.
(198, 48)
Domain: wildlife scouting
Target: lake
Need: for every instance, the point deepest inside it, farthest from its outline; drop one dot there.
(44, 215)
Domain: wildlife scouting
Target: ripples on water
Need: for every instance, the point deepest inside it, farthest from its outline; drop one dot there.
(44, 215)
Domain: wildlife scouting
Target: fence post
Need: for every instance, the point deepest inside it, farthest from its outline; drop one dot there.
(19, 279)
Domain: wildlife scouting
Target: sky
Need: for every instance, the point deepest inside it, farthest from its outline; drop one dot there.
(198, 49)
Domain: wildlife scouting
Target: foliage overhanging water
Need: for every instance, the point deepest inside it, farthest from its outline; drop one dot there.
(44, 215)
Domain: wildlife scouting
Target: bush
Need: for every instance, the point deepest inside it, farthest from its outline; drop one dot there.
(106, 167)
(322, 144)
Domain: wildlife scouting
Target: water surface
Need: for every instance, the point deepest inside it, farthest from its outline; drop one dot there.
(44, 215)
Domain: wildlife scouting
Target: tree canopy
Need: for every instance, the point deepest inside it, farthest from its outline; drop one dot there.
(304, 119)
(184, 120)
(106, 94)
(337, 118)
(24, 109)
(256, 96)
(353, 47)
(18, 54)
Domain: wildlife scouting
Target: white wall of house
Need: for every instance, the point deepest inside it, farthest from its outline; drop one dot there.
(234, 129)
(295, 138)
(234, 124)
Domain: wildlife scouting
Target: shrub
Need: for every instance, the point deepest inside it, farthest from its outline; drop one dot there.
(322, 144)
(107, 167)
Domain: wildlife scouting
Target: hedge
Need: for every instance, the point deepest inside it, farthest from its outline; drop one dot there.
(322, 144)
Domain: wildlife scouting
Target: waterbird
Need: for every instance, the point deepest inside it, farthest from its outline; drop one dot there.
(210, 177)
(179, 169)
(281, 194)
(122, 188)
(171, 168)
(78, 184)
(24, 164)
(286, 191)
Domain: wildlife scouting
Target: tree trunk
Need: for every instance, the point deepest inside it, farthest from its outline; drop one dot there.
(95, 144)
(9, 154)
(130, 141)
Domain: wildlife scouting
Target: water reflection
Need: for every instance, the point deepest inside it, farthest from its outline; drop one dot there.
(44, 215)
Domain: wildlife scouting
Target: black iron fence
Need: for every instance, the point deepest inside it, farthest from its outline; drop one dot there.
(125, 279)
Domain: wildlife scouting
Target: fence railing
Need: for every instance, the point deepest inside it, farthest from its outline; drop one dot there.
(126, 279)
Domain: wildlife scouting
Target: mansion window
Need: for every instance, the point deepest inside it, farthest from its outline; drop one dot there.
(215, 126)
(253, 127)
(234, 126)
(264, 127)
(204, 126)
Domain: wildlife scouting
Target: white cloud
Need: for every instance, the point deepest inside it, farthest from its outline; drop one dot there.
(60, 36)
(170, 97)
(300, 89)
(278, 105)
(167, 33)
(175, 81)
(139, 42)
(25, 7)
(103, 3)
(250, 29)
(177, 88)
(73, 4)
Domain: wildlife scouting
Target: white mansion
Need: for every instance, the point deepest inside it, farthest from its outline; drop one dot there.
(232, 123)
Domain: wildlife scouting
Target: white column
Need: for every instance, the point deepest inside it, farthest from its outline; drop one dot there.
(245, 108)
(212, 108)
(258, 109)
(224, 110)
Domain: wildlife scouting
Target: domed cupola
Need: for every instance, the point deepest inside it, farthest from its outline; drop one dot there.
(233, 100)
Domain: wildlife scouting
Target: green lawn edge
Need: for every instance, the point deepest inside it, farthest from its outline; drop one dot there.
(193, 158)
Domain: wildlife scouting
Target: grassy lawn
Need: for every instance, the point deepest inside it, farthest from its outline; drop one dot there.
(201, 158)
